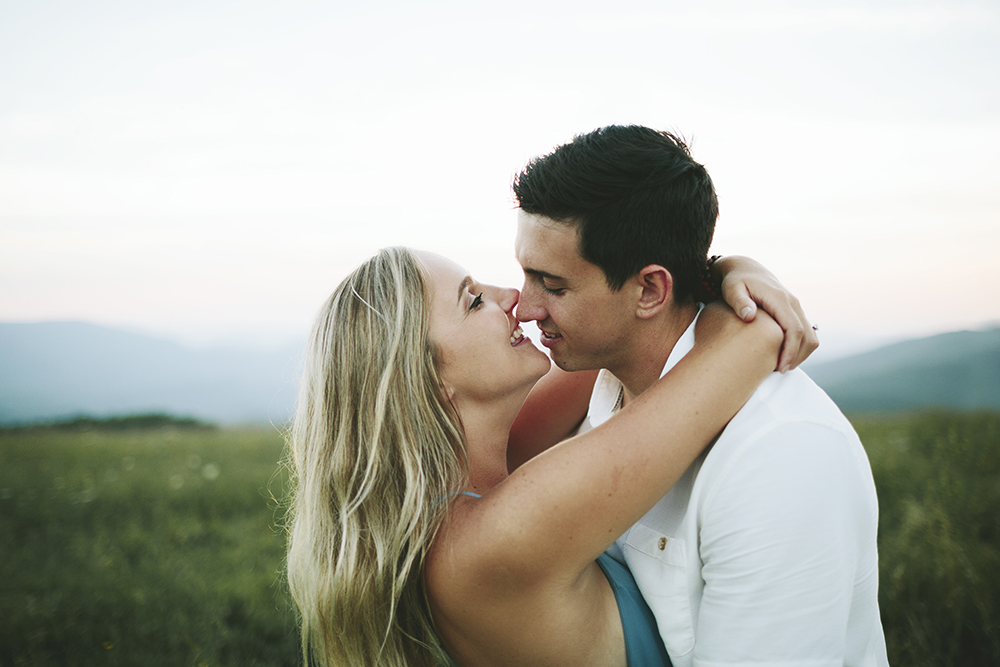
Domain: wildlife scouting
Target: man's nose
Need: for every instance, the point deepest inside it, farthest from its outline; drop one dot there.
(529, 307)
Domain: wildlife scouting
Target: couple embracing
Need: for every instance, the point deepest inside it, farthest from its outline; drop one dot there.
(659, 496)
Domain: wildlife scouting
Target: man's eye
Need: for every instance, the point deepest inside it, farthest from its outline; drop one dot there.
(478, 301)
(552, 290)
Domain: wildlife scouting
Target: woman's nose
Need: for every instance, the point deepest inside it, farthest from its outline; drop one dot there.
(508, 298)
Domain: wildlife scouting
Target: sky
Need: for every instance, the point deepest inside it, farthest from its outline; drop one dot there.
(209, 171)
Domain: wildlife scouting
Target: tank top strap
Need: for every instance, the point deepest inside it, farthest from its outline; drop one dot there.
(453, 494)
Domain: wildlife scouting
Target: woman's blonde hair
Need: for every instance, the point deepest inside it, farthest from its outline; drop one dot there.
(375, 448)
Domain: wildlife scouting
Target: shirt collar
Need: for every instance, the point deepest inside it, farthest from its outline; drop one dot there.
(605, 399)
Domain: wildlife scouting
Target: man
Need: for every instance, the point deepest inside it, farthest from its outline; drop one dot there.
(764, 552)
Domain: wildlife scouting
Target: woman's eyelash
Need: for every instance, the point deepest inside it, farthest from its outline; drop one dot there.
(476, 302)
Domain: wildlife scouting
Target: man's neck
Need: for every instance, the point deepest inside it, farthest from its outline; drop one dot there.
(649, 354)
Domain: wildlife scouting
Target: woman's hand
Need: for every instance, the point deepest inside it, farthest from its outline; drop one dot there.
(747, 284)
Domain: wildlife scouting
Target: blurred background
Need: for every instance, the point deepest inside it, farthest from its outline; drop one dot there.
(182, 183)
(208, 171)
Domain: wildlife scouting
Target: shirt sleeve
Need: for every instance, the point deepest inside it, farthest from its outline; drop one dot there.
(784, 530)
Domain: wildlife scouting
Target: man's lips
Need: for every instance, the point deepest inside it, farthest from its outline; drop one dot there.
(549, 339)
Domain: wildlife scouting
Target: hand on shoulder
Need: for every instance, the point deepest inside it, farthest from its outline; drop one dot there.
(746, 284)
(718, 322)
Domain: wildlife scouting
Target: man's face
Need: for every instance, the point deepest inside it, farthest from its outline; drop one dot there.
(584, 323)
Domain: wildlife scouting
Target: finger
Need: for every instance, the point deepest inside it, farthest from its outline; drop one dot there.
(790, 349)
(809, 345)
(785, 310)
(741, 301)
(810, 341)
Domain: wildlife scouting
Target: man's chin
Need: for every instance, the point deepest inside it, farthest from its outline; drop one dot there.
(563, 362)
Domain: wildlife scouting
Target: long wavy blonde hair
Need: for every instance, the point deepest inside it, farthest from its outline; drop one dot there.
(375, 447)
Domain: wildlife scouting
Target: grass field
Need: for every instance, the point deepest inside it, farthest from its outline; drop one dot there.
(142, 547)
(938, 481)
(160, 546)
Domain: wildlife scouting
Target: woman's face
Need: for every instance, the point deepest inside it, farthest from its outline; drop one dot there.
(482, 354)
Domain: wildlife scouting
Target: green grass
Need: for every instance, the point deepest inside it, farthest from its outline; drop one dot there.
(938, 480)
(143, 547)
(160, 546)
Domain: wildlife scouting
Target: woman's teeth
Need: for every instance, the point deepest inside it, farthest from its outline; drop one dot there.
(517, 335)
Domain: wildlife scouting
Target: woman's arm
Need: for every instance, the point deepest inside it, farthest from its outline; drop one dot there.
(558, 403)
(560, 510)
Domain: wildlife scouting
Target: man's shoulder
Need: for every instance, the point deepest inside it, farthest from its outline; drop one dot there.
(788, 416)
(785, 399)
(788, 452)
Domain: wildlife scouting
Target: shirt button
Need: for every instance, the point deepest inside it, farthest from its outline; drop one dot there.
(663, 543)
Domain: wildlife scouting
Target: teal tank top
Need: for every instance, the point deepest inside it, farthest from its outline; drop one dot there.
(643, 645)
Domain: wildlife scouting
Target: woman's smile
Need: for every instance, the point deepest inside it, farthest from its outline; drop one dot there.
(517, 337)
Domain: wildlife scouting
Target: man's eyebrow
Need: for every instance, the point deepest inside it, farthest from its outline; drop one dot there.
(542, 274)
(466, 281)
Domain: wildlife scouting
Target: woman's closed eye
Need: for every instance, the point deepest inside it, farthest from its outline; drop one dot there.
(478, 301)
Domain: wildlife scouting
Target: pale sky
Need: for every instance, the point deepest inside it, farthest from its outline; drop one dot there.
(209, 171)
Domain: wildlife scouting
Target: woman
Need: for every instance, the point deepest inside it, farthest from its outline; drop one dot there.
(414, 377)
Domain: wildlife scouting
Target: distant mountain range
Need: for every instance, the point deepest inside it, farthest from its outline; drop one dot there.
(958, 370)
(57, 370)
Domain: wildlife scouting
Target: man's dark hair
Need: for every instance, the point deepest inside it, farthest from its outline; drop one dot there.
(636, 197)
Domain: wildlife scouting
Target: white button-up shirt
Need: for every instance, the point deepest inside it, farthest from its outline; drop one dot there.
(764, 552)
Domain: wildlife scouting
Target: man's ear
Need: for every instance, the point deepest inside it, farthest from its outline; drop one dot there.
(656, 287)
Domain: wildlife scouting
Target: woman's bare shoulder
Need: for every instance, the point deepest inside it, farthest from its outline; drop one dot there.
(486, 614)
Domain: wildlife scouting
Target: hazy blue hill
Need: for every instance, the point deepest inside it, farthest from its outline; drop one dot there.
(955, 370)
(57, 369)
